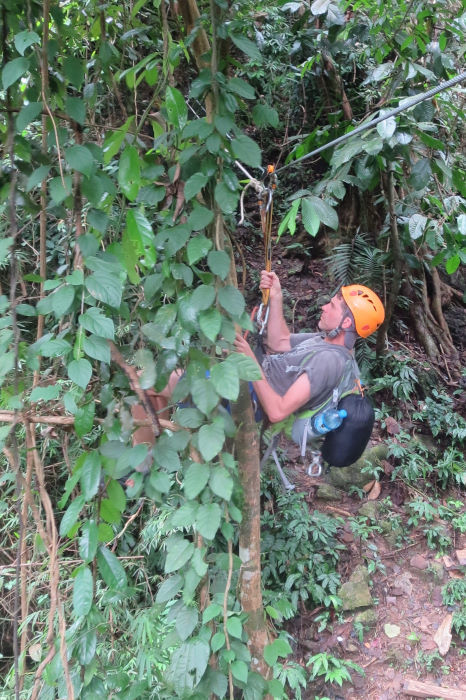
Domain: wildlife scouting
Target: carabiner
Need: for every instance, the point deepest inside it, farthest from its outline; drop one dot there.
(261, 318)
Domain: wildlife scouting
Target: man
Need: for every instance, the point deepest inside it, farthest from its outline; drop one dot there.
(306, 367)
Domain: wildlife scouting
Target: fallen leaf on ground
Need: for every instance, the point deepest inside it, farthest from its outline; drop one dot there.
(374, 492)
(461, 556)
(367, 487)
(392, 426)
(442, 637)
(391, 630)
(448, 562)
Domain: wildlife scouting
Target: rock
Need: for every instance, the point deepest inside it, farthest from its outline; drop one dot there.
(370, 509)
(418, 562)
(355, 595)
(360, 575)
(437, 598)
(443, 635)
(352, 476)
(367, 618)
(351, 647)
(391, 600)
(403, 584)
(391, 531)
(327, 492)
(435, 572)
(461, 556)
(347, 537)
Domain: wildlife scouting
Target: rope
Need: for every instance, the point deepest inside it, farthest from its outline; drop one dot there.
(358, 130)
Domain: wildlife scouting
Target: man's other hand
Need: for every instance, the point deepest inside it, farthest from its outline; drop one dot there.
(269, 280)
(242, 345)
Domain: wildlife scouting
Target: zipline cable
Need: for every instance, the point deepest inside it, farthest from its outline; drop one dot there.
(363, 127)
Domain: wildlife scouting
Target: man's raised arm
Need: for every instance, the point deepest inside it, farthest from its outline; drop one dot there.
(278, 335)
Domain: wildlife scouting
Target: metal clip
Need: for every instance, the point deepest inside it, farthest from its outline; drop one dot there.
(315, 467)
(261, 318)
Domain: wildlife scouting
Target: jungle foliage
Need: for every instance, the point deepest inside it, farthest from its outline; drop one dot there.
(121, 125)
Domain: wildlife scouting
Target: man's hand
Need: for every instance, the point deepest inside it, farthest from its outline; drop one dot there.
(269, 280)
(242, 345)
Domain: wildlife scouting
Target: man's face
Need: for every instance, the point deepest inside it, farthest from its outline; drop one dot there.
(332, 314)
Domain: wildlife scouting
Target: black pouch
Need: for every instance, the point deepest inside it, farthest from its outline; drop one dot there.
(346, 444)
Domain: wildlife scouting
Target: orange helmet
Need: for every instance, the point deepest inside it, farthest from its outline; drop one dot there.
(366, 307)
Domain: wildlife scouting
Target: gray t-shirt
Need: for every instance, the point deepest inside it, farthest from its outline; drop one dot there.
(324, 367)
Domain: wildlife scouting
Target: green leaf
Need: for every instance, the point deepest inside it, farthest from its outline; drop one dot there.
(97, 348)
(200, 217)
(219, 263)
(242, 88)
(324, 211)
(197, 248)
(239, 670)
(217, 641)
(311, 221)
(177, 110)
(221, 483)
(194, 184)
(74, 71)
(211, 439)
(82, 592)
(95, 322)
(88, 541)
(195, 480)
(5, 245)
(160, 481)
(80, 158)
(203, 297)
(24, 40)
(13, 70)
(188, 417)
(246, 367)
(452, 264)
(109, 512)
(225, 198)
(55, 348)
(84, 419)
(208, 520)
(224, 377)
(187, 666)
(212, 611)
(231, 300)
(204, 395)
(234, 627)
(76, 109)
(169, 588)
(80, 372)
(247, 46)
(60, 188)
(289, 220)
(112, 571)
(246, 150)
(179, 552)
(420, 174)
(387, 128)
(71, 515)
(210, 323)
(129, 172)
(279, 647)
(36, 177)
(44, 393)
(86, 645)
(27, 114)
(62, 300)
(186, 621)
(417, 225)
(264, 115)
(105, 287)
(90, 475)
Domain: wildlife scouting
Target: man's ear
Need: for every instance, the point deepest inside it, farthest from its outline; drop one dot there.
(346, 323)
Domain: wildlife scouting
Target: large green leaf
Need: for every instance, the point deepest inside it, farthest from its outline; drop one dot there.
(211, 439)
(80, 158)
(219, 263)
(44, 393)
(13, 70)
(86, 646)
(27, 114)
(61, 300)
(208, 520)
(84, 419)
(246, 367)
(194, 184)
(242, 88)
(195, 480)
(179, 552)
(129, 172)
(55, 347)
(71, 515)
(80, 372)
(88, 541)
(311, 221)
(25, 39)
(231, 299)
(204, 395)
(187, 666)
(60, 188)
(203, 297)
(221, 483)
(186, 621)
(90, 475)
(82, 592)
(95, 322)
(420, 174)
(246, 45)
(169, 588)
(198, 247)
(111, 569)
(76, 109)
(246, 150)
(97, 348)
(106, 287)
(324, 211)
(210, 323)
(264, 115)
(177, 110)
(225, 198)
(225, 379)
